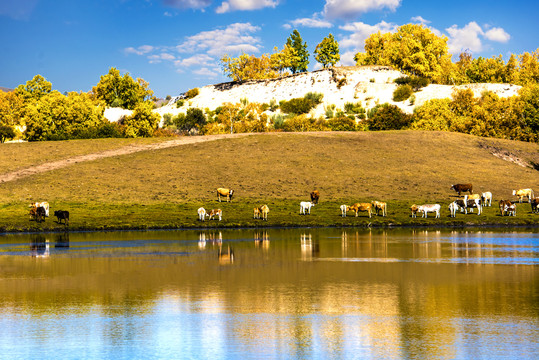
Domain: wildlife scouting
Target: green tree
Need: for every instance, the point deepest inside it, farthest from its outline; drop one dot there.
(299, 54)
(247, 67)
(34, 89)
(6, 133)
(143, 122)
(434, 114)
(529, 97)
(121, 91)
(413, 48)
(327, 52)
(193, 119)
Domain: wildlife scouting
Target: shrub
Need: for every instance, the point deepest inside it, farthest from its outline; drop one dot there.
(316, 98)
(192, 93)
(387, 117)
(6, 133)
(416, 82)
(303, 123)
(342, 123)
(193, 119)
(402, 92)
(179, 103)
(355, 109)
(277, 121)
(301, 105)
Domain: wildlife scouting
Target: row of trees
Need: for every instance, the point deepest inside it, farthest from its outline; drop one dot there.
(293, 58)
(41, 113)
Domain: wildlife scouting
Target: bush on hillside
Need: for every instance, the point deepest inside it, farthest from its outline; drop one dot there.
(301, 105)
(387, 117)
(342, 123)
(416, 82)
(402, 92)
(304, 123)
(192, 93)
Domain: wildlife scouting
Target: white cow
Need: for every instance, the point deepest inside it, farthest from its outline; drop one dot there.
(344, 208)
(305, 205)
(43, 204)
(201, 214)
(524, 193)
(486, 198)
(425, 209)
(453, 208)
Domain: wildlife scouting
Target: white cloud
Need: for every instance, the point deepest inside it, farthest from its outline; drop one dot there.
(233, 39)
(233, 5)
(187, 4)
(466, 38)
(311, 23)
(420, 19)
(349, 9)
(196, 60)
(360, 32)
(498, 35)
(141, 50)
(210, 73)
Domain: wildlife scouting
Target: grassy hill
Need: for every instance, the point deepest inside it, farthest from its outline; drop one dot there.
(164, 188)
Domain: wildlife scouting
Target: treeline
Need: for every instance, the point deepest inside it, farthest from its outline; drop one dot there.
(515, 118)
(35, 112)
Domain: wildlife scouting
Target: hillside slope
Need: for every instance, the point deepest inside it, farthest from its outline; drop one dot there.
(369, 85)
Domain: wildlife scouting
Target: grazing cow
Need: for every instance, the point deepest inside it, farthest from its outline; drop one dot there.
(474, 203)
(453, 208)
(40, 214)
(414, 208)
(344, 208)
(507, 207)
(427, 208)
(524, 193)
(62, 215)
(315, 196)
(43, 204)
(379, 206)
(264, 209)
(472, 197)
(535, 205)
(357, 207)
(486, 198)
(216, 212)
(461, 205)
(261, 211)
(224, 192)
(201, 214)
(305, 205)
(460, 188)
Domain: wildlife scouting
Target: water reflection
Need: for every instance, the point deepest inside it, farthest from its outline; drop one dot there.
(339, 294)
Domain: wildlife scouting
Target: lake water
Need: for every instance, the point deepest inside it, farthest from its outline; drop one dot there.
(247, 294)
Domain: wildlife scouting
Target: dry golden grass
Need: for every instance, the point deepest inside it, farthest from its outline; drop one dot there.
(401, 167)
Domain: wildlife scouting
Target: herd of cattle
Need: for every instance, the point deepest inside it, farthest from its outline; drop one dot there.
(466, 204)
(40, 210)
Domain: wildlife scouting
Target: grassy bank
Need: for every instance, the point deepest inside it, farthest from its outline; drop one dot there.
(164, 188)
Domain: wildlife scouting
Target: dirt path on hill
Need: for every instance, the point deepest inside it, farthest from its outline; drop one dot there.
(130, 149)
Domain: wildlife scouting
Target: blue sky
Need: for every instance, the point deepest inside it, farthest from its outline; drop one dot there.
(176, 45)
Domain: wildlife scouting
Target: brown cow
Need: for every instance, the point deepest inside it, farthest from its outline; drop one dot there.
(357, 207)
(315, 196)
(507, 207)
(460, 188)
(379, 206)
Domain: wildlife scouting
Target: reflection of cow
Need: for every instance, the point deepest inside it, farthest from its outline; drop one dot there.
(225, 192)
(226, 258)
(39, 247)
(315, 196)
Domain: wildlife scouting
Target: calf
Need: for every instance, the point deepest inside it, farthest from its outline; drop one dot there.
(201, 214)
(315, 196)
(379, 206)
(62, 215)
(474, 203)
(486, 198)
(507, 207)
(535, 205)
(343, 210)
(414, 209)
(256, 213)
(216, 212)
(305, 206)
(460, 188)
(40, 214)
(357, 207)
(261, 211)
(425, 209)
(453, 207)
